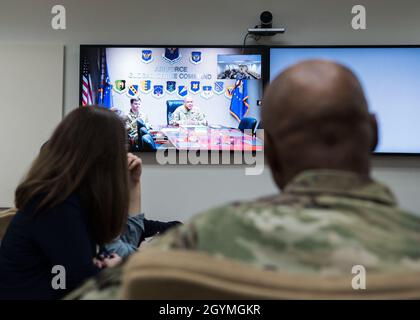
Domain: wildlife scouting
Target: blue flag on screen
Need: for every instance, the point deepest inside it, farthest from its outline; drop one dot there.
(239, 103)
(105, 86)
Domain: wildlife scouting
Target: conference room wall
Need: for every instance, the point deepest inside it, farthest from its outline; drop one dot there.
(179, 192)
(125, 61)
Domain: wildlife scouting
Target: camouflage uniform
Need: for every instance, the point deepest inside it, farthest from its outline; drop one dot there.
(182, 116)
(131, 124)
(324, 223)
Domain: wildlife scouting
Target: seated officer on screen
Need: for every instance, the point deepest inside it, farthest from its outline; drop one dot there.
(188, 114)
(331, 214)
(131, 120)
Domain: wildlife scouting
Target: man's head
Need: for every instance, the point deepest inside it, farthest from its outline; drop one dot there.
(188, 102)
(315, 116)
(135, 104)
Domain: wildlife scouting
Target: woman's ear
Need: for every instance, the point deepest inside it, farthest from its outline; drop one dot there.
(374, 128)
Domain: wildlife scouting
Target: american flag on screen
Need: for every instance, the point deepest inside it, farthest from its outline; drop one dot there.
(87, 98)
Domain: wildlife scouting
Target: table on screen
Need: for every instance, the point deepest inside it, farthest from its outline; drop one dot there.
(206, 138)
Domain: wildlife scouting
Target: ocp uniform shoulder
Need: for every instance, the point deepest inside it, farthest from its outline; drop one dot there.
(105, 286)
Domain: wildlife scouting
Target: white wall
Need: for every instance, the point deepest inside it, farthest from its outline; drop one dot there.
(124, 63)
(180, 192)
(24, 126)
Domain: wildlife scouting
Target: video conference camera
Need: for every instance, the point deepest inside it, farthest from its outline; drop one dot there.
(266, 27)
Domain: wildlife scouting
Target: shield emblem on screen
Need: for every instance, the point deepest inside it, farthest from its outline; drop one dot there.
(195, 87)
(157, 91)
(119, 86)
(146, 56)
(171, 55)
(229, 92)
(182, 91)
(195, 57)
(146, 86)
(219, 87)
(170, 87)
(207, 92)
(133, 91)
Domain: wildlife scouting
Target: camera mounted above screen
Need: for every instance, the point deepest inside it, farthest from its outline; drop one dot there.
(265, 29)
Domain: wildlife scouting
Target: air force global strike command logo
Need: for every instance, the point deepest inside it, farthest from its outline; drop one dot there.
(207, 92)
(146, 86)
(120, 86)
(219, 87)
(133, 91)
(170, 87)
(195, 57)
(157, 91)
(146, 56)
(171, 55)
(182, 91)
(195, 87)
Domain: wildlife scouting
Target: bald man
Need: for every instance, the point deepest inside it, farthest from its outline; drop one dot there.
(188, 114)
(331, 215)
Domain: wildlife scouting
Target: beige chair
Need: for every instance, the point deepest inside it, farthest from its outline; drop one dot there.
(5, 218)
(179, 274)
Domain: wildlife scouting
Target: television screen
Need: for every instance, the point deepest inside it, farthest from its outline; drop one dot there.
(183, 98)
(390, 77)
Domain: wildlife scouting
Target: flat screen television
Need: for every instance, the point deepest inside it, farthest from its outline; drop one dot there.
(182, 98)
(390, 77)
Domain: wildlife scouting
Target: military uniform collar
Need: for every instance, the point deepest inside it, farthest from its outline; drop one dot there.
(341, 183)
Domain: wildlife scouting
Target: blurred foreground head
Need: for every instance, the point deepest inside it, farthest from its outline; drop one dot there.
(315, 116)
(86, 155)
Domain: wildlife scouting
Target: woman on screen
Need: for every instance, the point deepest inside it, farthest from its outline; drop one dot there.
(76, 197)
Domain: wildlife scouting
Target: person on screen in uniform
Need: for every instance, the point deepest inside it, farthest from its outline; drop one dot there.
(188, 114)
(330, 215)
(131, 120)
(242, 72)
